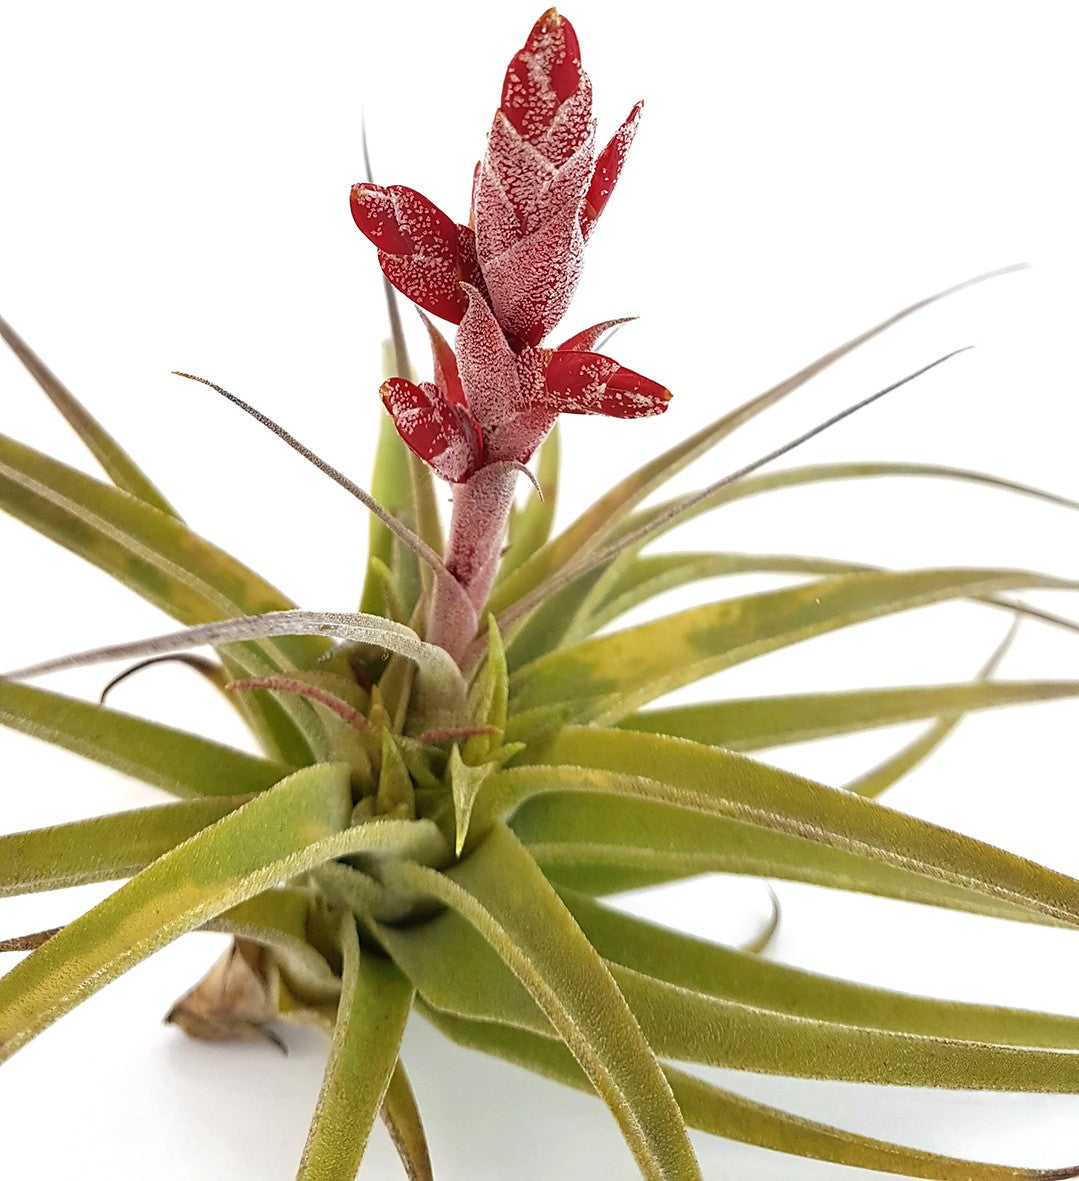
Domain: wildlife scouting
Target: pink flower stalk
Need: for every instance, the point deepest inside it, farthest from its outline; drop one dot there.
(506, 279)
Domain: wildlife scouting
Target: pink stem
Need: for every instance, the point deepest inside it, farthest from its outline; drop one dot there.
(481, 507)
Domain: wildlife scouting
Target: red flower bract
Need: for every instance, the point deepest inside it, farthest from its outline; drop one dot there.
(507, 278)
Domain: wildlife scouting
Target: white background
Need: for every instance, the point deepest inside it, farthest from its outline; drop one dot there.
(174, 196)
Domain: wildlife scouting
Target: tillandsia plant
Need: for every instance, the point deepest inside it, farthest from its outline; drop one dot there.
(452, 778)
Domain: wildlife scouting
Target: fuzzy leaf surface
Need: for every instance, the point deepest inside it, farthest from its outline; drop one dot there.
(401, 1115)
(723, 1113)
(718, 782)
(606, 678)
(756, 723)
(500, 892)
(159, 558)
(715, 970)
(459, 973)
(174, 760)
(103, 848)
(604, 844)
(289, 830)
(375, 1002)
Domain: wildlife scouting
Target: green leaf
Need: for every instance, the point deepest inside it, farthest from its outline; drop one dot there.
(161, 559)
(401, 1115)
(117, 464)
(439, 697)
(147, 550)
(798, 477)
(714, 970)
(500, 892)
(395, 795)
(530, 526)
(374, 1005)
(181, 763)
(876, 781)
(489, 697)
(607, 678)
(287, 831)
(283, 920)
(465, 783)
(733, 1117)
(102, 848)
(597, 521)
(391, 486)
(631, 580)
(760, 722)
(718, 782)
(456, 971)
(602, 844)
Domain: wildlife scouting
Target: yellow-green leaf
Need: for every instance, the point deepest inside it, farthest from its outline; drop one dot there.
(289, 830)
(181, 763)
(607, 678)
(755, 723)
(102, 848)
(602, 844)
(713, 781)
(375, 1002)
(723, 1113)
(117, 464)
(500, 892)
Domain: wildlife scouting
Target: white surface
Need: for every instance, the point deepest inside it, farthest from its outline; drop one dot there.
(175, 197)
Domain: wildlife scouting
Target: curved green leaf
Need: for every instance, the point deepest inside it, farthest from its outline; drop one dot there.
(798, 477)
(713, 781)
(117, 464)
(631, 579)
(876, 781)
(147, 550)
(500, 892)
(374, 1005)
(103, 848)
(438, 696)
(612, 507)
(161, 559)
(711, 969)
(456, 971)
(733, 1117)
(607, 678)
(287, 831)
(760, 722)
(181, 763)
(625, 585)
(401, 1115)
(602, 844)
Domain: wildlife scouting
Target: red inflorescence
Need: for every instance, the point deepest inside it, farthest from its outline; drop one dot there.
(508, 277)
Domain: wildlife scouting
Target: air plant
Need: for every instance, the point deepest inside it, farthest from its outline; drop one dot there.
(453, 778)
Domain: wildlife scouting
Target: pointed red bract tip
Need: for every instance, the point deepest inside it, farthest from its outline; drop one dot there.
(542, 76)
(586, 340)
(441, 434)
(608, 168)
(419, 246)
(590, 383)
(447, 376)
